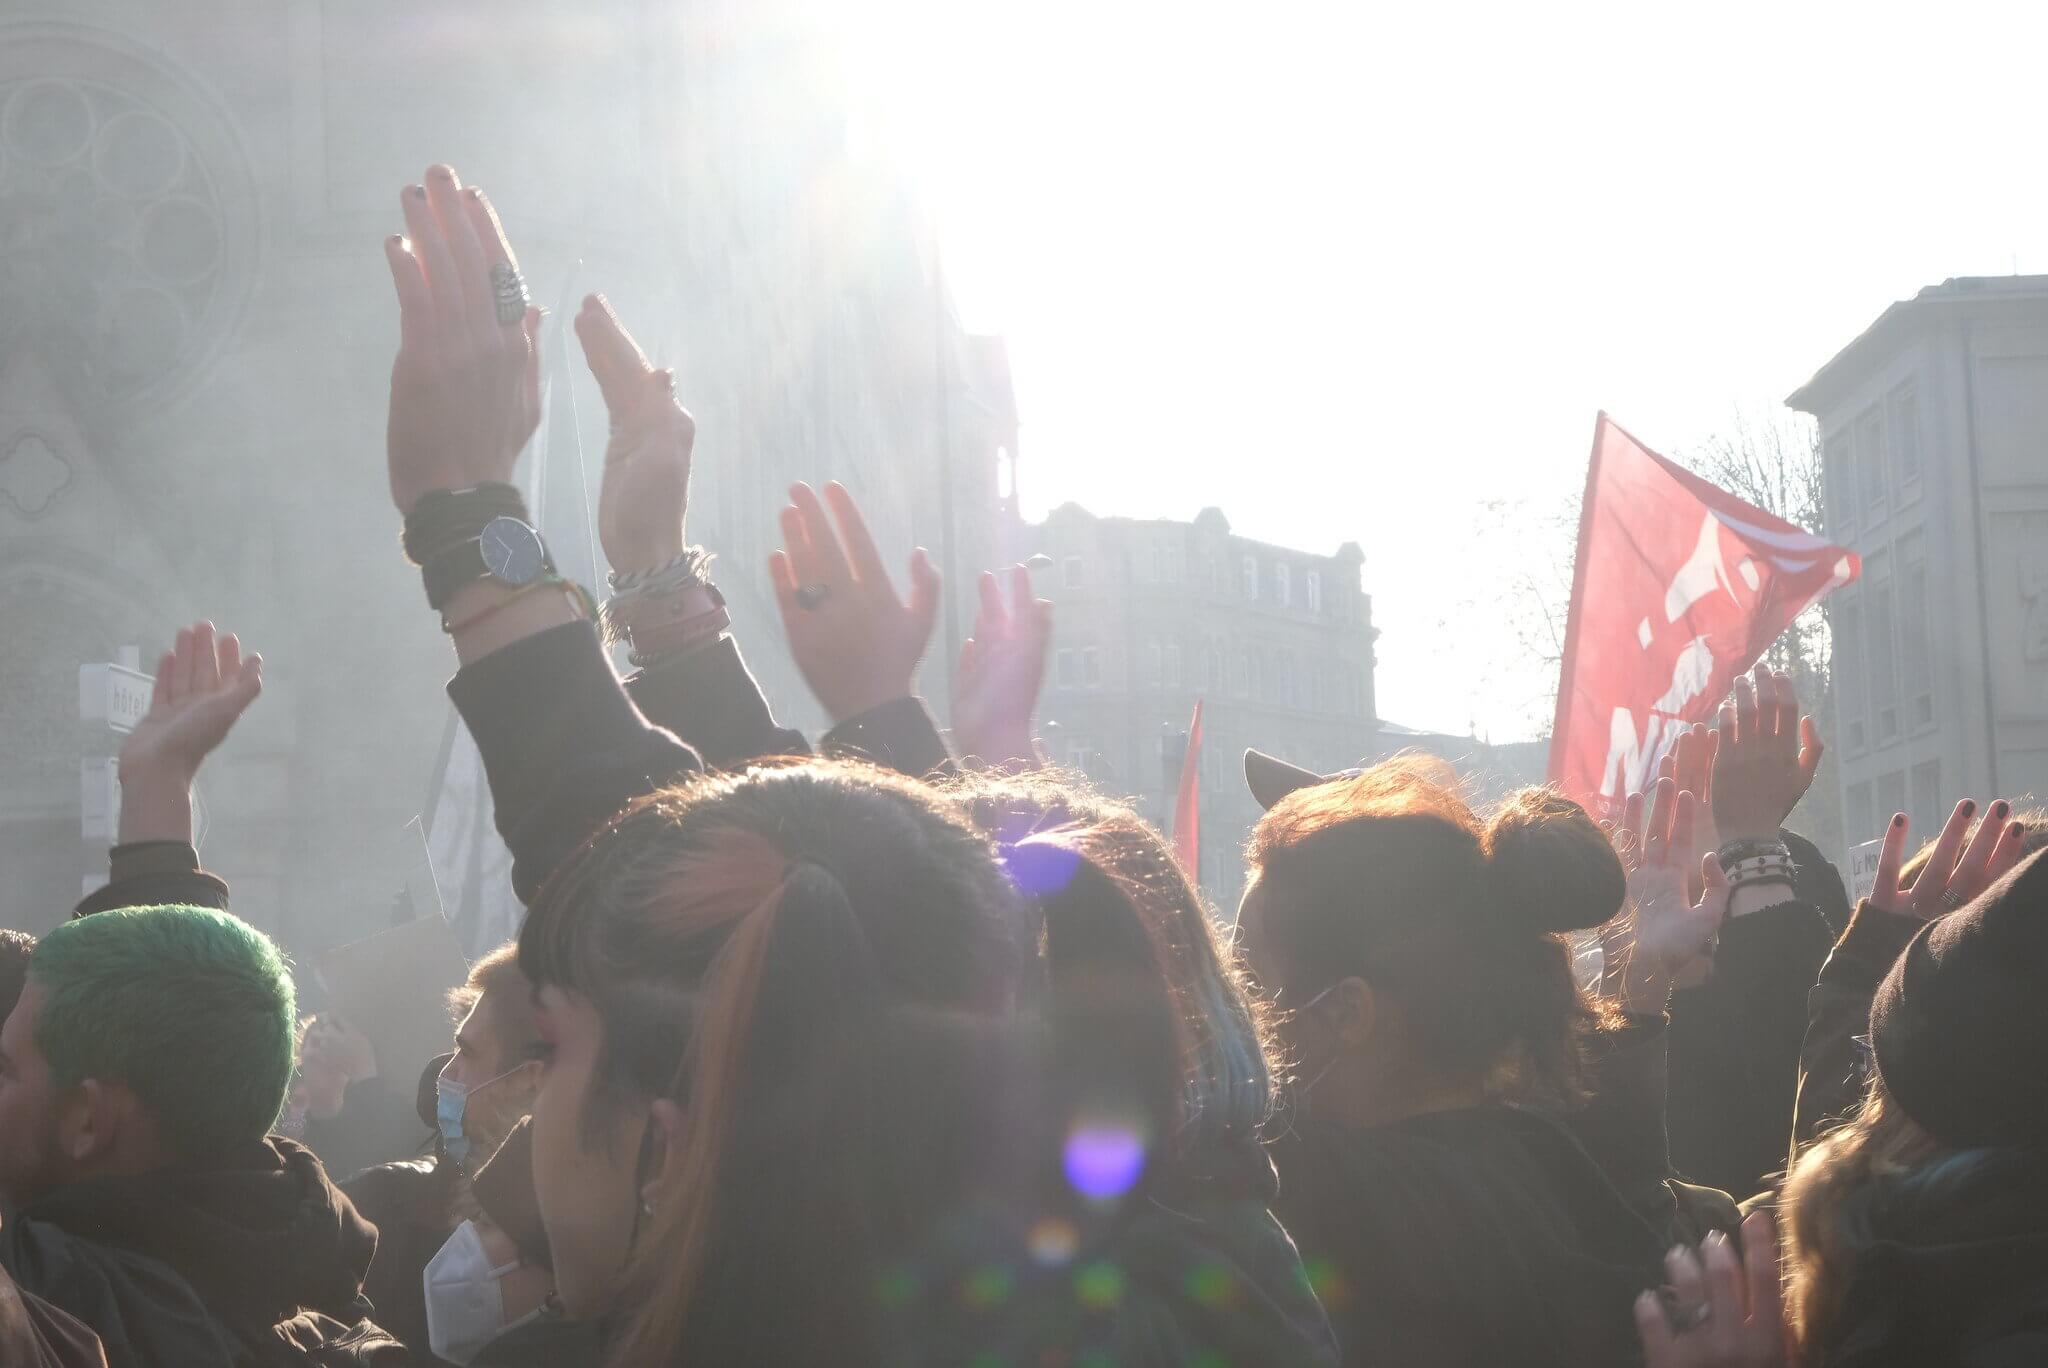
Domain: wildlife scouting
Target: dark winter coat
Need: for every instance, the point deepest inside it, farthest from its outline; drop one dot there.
(253, 1260)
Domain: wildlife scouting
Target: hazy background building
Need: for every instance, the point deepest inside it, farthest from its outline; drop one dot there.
(1934, 431)
(1151, 615)
(196, 330)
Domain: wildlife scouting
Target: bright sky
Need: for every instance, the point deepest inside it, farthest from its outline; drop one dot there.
(1347, 269)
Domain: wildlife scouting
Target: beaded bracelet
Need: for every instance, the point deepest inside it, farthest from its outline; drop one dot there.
(691, 568)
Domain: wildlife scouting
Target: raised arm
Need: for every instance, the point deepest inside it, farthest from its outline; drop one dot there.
(203, 686)
(562, 745)
(1002, 666)
(690, 676)
(858, 644)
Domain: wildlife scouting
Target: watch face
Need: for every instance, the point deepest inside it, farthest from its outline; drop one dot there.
(512, 551)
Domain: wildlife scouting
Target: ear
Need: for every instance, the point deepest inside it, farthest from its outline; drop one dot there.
(1351, 1009)
(665, 1121)
(87, 1120)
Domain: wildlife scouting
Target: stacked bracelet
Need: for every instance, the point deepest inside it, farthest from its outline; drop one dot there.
(584, 603)
(690, 569)
(1750, 864)
(444, 519)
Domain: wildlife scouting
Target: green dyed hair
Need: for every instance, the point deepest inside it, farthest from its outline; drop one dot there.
(191, 1008)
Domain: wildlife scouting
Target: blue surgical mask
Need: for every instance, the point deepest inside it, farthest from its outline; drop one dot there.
(451, 1099)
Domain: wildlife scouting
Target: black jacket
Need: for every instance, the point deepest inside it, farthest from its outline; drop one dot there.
(1735, 1041)
(1834, 1058)
(252, 1261)
(1949, 1268)
(411, 1202)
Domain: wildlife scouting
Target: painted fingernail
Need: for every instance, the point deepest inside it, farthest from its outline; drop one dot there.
(419, 192)
(476, 194)
(1968, 808)
(1998, 810)
(1899, 820)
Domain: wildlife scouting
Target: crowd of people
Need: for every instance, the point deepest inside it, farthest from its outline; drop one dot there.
(911, 1048)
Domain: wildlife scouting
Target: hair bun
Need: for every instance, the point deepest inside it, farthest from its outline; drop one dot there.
(1553, 868)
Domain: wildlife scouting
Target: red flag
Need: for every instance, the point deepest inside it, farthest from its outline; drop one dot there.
(1187, 806)
(1678, 588)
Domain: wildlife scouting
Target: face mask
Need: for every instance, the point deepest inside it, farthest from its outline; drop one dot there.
(450, 1100)
(465, 1305)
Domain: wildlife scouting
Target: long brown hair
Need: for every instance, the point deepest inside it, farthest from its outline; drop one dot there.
(1390, 876)
(822, 963)
(1824, 1230)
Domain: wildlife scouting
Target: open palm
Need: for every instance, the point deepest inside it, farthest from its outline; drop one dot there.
(203, 685)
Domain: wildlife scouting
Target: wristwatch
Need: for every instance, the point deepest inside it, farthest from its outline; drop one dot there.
(507, 551)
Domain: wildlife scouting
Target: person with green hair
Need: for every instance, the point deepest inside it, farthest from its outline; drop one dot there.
(141, 1072)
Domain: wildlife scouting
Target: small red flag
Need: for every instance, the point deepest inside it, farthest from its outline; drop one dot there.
(1187, 806)
(1677, 589)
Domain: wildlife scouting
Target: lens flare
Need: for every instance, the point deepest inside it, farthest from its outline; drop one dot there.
(1104, 1158)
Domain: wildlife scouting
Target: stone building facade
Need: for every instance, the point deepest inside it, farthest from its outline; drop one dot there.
(1934, 435)
(196, 329)
(1150, 615)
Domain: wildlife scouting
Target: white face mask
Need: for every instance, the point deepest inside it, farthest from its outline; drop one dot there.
(465, 1305)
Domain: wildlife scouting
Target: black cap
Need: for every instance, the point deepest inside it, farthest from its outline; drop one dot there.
(1956, 1025)
(1272, 778)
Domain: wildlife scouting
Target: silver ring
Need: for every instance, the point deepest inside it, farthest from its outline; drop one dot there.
(1693, 1317)
(508, 289)
(1951, 899)
(809, 596)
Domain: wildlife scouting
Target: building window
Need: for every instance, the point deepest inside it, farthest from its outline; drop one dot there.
(1173, 665)
(1870, 461)
(1881, 654)
(1313, 591)
(1927, 813)
(1859, 815)
(1842, 495)
(1283, 584)
(1852, 691)
(1067, 669)
(1891, 794)
(1287, 697)
(1152, 659)
(1238, 671)
(1072, 574)
(1215, 670)
(1916, 651)
(1251, 576)
(1091, 667)
(1904, 411)
(1315, 689)
(1256, 675)
(1079, 754)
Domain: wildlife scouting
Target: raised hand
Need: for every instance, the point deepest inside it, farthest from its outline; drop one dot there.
(1959, 868)
(1666, 935)
(646, 486)
(1767, 758)
(465, 389)
(1723, 1313)
(1001, 668)
(857, 643)
(203, 685)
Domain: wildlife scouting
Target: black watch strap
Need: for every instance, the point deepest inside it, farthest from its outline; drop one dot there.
(446, 573)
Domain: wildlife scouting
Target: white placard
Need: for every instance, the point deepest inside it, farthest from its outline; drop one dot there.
(114, 695)
(1863, 867)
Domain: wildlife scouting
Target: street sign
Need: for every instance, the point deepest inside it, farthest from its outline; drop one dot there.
(114, 695)
(99, 797)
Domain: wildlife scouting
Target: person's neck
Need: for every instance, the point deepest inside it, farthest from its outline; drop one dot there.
(1387, 1102)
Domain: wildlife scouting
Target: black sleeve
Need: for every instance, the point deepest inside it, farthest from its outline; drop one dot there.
(1735, 1046)
(1816, 880)
(899, 735)
(153, 874)
(1622, 1123)
(1832, 1064)
(711, 700)
(562, 745)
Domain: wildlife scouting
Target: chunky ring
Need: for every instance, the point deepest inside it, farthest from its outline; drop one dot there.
(1951, 899)
(809, 596)
(1693, 1317)
(508, 289)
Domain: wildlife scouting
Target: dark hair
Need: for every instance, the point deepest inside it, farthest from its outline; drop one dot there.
(1391, 877)
(15, 948)
(1144, 984)
(823, 962)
